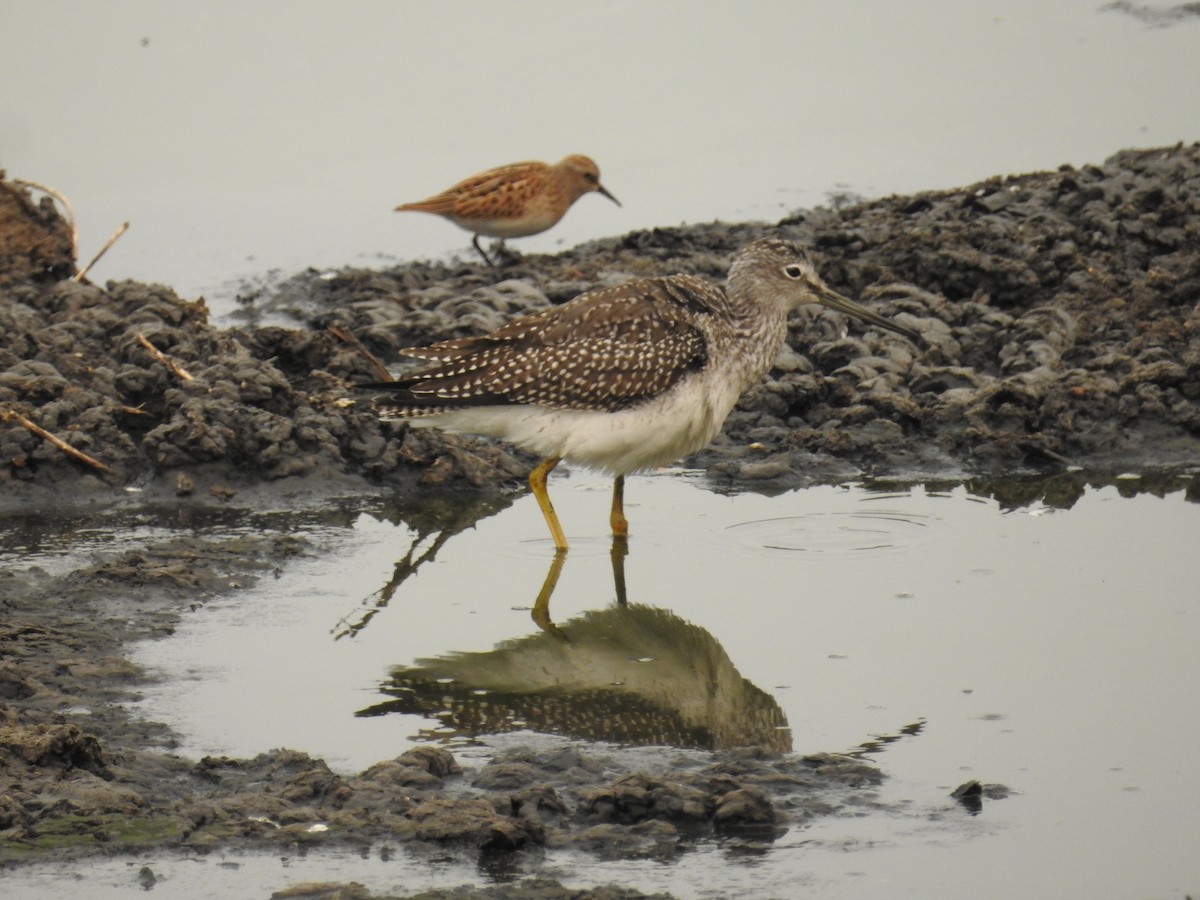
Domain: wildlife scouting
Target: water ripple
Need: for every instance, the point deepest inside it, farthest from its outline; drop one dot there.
(834, 533)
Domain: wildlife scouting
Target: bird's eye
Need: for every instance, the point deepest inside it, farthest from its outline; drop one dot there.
(793, 271)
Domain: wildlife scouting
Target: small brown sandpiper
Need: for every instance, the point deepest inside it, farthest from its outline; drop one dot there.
(516, 200)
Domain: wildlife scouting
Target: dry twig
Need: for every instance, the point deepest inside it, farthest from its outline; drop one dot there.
(79, 276)
(58, 442)
(342, 334)
(172, 366)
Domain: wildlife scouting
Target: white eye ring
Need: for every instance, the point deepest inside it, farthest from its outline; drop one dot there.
(793, 271)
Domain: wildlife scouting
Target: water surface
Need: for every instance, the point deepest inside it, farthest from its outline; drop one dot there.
(1039, 635)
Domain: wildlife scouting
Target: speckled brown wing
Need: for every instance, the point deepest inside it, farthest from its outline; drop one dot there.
(605, 350)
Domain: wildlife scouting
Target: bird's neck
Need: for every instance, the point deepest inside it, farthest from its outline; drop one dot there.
(758, 332)
(759, 319)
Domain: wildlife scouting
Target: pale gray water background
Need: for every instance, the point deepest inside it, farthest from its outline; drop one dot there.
(239, 138)
(1051, 651)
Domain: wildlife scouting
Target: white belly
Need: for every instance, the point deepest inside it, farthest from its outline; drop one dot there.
(651, 434)
(534, 222)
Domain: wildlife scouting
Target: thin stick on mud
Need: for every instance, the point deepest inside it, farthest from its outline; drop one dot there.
(173, 367)
(79, 276)
(66, 204)
(342, 334)
(58, 442)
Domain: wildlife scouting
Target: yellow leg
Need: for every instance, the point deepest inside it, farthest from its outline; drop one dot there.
(620, 549)
(541, 606)
(537, 483)
(620, 525)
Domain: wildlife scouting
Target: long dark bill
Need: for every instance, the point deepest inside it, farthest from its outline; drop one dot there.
(834, 300)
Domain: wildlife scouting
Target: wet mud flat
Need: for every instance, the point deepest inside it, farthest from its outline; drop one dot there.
(1060, 313)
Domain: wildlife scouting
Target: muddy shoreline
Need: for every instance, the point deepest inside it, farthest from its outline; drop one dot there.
(1057, 312)
(1060, 313)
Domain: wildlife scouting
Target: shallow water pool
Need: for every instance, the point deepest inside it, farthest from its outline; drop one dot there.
(1035, 634)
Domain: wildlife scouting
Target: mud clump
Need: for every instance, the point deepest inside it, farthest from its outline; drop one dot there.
(36, 245)
(286, 799)
(1058, 312)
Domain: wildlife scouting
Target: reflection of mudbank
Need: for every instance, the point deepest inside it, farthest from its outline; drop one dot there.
(1065, 490)
(629, 674)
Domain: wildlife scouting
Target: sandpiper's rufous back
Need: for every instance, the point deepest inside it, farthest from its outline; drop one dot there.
(516, 200)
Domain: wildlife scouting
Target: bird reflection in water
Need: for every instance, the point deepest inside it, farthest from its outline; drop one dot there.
(630, 674)
(438, 517)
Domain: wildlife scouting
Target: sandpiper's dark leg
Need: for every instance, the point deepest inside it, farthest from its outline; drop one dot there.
(620, 525)
(537, 483)
(487, 259)
(502, 256)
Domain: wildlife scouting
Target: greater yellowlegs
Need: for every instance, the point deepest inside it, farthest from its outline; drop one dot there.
(621, 379)
(516, 200)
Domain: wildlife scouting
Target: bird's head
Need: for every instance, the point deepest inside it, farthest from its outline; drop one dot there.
(784, 272)
(583, 175)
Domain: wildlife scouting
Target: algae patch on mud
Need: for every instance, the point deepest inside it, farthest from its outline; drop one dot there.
(110, 832)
